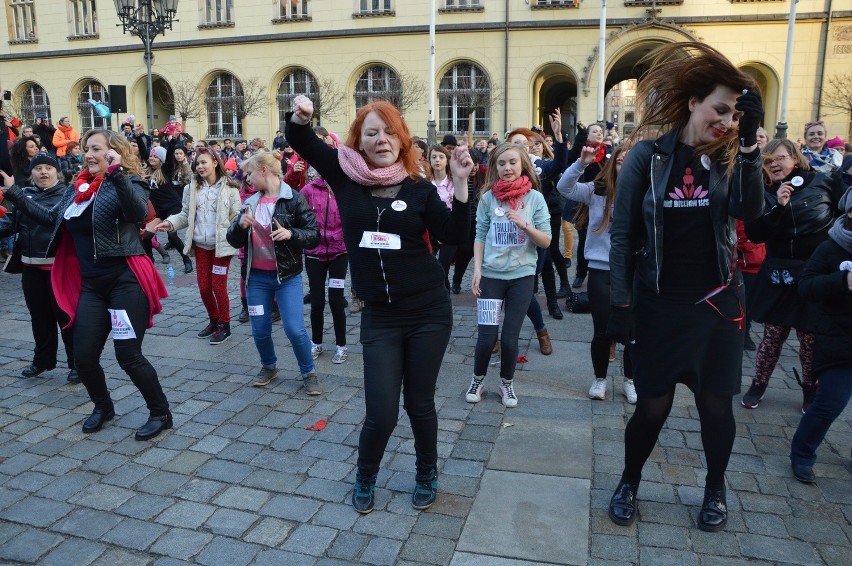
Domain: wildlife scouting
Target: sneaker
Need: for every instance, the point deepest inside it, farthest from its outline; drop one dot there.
(598, 389)
(243, 316)
(265, 376)
(629, 391)
(808, 396)
(425, 490)
(340, 356)
(474, 394)
(209, 330)
(748, 344)
(223, 332)
(363, 497)
(507, 394)
(316, 350)
(752, 398)
(312, 384)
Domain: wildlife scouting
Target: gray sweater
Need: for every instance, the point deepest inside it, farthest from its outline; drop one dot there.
(597, 243)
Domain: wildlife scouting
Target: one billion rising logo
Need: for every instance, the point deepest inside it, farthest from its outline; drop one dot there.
(688, 195)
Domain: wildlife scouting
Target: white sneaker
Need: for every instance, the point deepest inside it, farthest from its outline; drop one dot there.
(474, 394)
(316, 350)
(598, 389)
(507, 394)
(630, 391)
(341, 356)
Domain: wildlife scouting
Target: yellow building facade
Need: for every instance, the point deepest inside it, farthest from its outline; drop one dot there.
(500, 63)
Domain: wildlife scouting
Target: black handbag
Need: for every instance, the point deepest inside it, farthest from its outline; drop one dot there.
(13, 262)
(578, 302)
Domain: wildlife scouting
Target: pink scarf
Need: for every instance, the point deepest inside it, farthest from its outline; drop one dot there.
(511, 191)
(356, 168)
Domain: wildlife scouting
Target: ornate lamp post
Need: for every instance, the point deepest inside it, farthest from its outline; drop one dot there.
(146, 19)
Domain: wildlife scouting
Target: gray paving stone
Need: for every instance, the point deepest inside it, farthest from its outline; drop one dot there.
(336, 515)
(145, 506)
(269, 532)
(325, 490)
(436, 525)
(776, 549)
(115, 556)
(36, 511)
(242, 498)
(221, 470)
(310, 539)
(611, 547)
(381, 551)
(87, 523)
(134, 534)
(187, 514)
(230, 522)
(667, 557)
(382, 523)
(199, 490)
(73, 551)
(181, 543)
(823, 532)
(429, 550)
(223, 550)
(347, 545)
(765, 524)
(291, 508)
(29, 546)
(282, 557)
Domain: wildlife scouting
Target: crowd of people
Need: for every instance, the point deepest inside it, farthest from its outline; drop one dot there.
(682, 240)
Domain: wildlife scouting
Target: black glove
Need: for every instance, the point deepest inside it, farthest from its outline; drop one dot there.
(751, 106)
(619, 326)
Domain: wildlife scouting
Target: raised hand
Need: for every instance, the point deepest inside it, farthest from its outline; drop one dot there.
(461, 162)
(587, 155)
(8, 181)
(303, 109)
(556, 124)
(750, 104)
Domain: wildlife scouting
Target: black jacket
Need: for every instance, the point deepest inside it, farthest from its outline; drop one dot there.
(825, 284)
(33, 238)
(70, 166)
(292, 212)
(119, 207)
(794, 231)
(637, 227)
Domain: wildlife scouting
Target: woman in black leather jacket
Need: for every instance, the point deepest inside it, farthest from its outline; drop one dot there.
(800, 208)
(276, 225)
(36, 264)
(672, 257)
(101, 275)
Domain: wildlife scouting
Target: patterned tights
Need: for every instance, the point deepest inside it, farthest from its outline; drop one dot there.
(770, 350)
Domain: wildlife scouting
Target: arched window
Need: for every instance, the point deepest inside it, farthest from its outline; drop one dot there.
(464, 94)
(294, 83)
(34, 102)
(88, 117)
(223, 101)
(377, 83)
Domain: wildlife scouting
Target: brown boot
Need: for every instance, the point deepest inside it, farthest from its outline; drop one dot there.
(544, 342)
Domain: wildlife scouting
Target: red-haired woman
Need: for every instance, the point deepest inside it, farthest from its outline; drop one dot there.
(385, 207)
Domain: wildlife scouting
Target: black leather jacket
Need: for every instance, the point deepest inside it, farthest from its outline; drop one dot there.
(637, 228)
(33, 237)
(119, 207)
(292, 212)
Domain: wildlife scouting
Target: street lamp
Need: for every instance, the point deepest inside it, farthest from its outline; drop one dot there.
(146, 19)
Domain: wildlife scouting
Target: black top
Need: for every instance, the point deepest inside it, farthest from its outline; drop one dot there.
(385, 276)
(82, 233)
(689, 262)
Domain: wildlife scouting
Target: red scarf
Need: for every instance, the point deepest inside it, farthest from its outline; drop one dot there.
(599, 156)
(511, 191)
(93, 185)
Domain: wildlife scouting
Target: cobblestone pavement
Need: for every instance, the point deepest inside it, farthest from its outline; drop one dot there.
(240, 480)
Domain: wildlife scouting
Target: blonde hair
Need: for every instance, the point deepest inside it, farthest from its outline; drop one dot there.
(118, 143)
(527, 169)
(263, 159)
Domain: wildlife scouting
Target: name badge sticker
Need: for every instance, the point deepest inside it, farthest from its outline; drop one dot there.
(499, 211)
(399, 205)
(255, 310)
(335, 283)
(220, 270)
(380, 241)
(797, 181)
(488, 311)
(122, 329)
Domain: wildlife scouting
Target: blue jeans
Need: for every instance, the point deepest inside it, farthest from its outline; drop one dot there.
(833, 393)
(262, 287)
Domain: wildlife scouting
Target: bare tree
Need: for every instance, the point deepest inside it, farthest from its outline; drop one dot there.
(184, 98)
(251, 98)
(479, 95)
(837, 95)
(408, 90)
(330, 101)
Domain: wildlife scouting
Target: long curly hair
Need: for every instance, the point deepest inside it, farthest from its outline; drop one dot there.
(117, 142)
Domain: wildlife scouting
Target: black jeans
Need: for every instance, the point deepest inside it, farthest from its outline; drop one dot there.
(45, 314)
(556, 256)
(405, 356)
(318, 273)
(515, 294)
(445, 258)
(94, 322)
(599, 303)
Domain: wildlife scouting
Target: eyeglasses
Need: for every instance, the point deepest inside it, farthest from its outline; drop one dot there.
(771, 160)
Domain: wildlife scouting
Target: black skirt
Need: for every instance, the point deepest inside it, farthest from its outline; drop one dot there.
(774, 296)
(679, 341)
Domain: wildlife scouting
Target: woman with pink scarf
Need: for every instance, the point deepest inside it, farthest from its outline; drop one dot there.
(385, 208)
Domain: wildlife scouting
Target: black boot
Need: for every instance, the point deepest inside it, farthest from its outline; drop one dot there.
(622, 506)
(187, 264)
(363, 496)
(548, 281)
(154, 426)
(104, 411)
(244, 315)
(714, 511)
(164, 255)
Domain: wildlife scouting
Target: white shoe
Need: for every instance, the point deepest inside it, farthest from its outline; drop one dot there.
(630, 391)
(316, 350)
(474, 394)
(341, 356)
(598, 389)
(507, 394)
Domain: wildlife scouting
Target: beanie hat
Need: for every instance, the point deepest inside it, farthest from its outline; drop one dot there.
(159, 152)
(835, 142)
(44, 158)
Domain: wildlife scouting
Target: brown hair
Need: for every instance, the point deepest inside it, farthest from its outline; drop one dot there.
(491, 175)
(773, 145)
(119, 143)
(217, 161)
(679, 72)
(391, 116)
(440, 149)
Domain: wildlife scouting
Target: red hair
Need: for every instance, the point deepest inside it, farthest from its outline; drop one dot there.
(393, 118)
(526, 132)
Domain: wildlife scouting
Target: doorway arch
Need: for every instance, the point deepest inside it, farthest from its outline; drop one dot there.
(555, 85)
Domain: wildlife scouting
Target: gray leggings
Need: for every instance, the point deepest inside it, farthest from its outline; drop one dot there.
(515, 294)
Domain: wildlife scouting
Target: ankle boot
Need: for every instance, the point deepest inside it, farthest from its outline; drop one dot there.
(544, 344)
(554, 310)
(548, 281)
(223, 332)
(154, 426)
(104, 411)
(244, 315)
(164, 255)
(187, 265)
(714, 510)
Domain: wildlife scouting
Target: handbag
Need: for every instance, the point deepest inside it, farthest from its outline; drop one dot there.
(578, 303)
(13, 262)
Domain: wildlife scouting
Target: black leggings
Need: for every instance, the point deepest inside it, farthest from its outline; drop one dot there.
(94, 322)
(582, 262)
(445, 257)
(515, 294)
(404, 356)
(718, 430)
(599, 302)
(45, 314)
(556, 257)
(318, 273)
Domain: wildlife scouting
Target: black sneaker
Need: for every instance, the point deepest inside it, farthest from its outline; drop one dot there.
(425, 490)
(363, 497)
(578, 282)
(208, 331)
(748, 344)
(223, 332)
(752, 398)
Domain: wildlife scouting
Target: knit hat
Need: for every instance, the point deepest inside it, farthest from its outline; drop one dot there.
(44, 159)
(835, 142)
(159, 152)
(449, 139)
